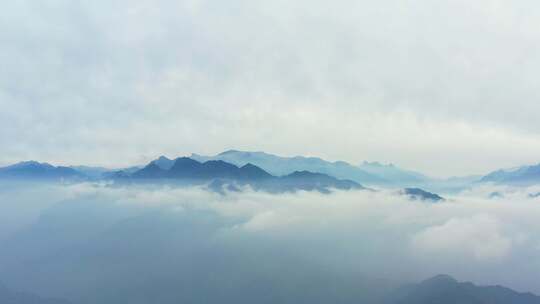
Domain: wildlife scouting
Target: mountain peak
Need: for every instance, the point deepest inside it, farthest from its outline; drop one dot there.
(163, 162)
(183, 161)
(377, 164)
(423, 195)
(33, 169)
(518, 175)
(441, 278)
(239, 153)
(444, 289)
(230, 152)
(151, 170)
(305, 173)
(249, 170)
(30, 163)
(249, 165)
(282, 165)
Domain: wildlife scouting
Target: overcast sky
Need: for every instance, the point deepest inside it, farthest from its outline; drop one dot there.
(444, 87)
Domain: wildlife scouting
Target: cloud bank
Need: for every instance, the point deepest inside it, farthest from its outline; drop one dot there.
(120, 83)
(123, 238)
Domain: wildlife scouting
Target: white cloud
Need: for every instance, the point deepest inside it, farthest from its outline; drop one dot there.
(116, 84)
(478, 238)
(374, 233)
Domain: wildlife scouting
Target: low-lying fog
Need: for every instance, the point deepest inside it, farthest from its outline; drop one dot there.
(95, 243)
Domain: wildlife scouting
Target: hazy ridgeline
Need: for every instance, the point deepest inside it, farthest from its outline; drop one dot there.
(95, 243)
(346, 151)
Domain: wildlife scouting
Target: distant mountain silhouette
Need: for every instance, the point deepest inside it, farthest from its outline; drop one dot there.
(522, 175)
(393, 173)
(164, 162)
(278, 166)
(152, 170)
(35, 170)
(121, 173)
(219, 169)
(309, 181)
(91, 172)
(10, 297)
(444, 289)
(367, 173)
(252, 172)
(222, 173)
(247, 166)
(187, 168)
(419, 194)
(534, 195)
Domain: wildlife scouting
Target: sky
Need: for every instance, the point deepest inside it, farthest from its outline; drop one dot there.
(443, 87)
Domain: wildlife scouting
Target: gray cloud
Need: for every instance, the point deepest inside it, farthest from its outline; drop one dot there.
(359, 232)
(116, 83)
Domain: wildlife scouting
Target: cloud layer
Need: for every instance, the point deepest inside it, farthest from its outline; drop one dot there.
(118, 83)
(159, 231)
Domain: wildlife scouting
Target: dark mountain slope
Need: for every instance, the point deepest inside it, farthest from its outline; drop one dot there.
(444, 289)
(164, 162)
(35, 170)
(152, 170)
(221, 174)
(422, 195)
(523, 175)
(278, 166)
(185, 167)
(307, 181)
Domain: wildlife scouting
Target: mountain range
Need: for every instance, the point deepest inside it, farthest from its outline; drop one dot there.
(420, 194)
(34, 171)
(444, 289)
(367, 173)
(222, 174)
(525, 175)
(245, 165)
(441, 289)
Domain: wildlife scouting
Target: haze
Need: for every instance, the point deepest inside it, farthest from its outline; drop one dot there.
(142, 244)
(447, 88)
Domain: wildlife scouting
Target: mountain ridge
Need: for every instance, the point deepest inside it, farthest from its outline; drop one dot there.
(37, 170)
(526, 175)
(187, 169)
(444, 289)
(278, 165)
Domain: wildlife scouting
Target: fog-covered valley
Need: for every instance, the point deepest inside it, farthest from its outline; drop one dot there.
(254, 151)
(103, 243)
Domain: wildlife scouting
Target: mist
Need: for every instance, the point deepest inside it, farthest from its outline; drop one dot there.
(99, 243)
(100, 83)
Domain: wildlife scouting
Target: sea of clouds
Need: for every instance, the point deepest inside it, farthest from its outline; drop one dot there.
(72, 240)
